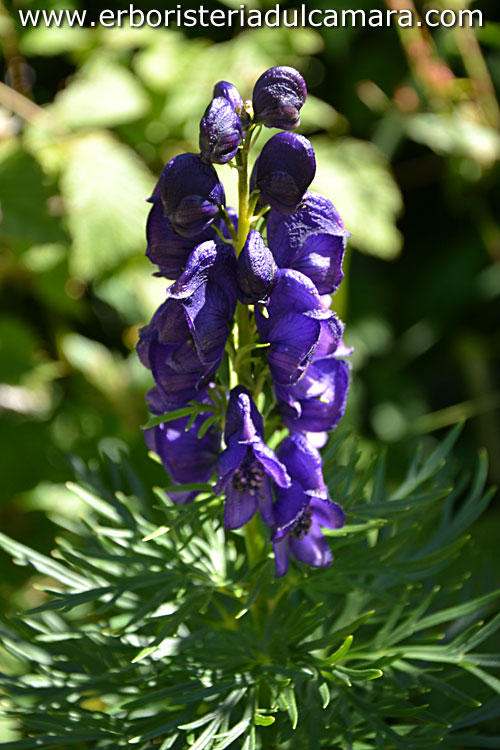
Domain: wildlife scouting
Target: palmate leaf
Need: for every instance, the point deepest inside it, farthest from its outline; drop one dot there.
(142, 637)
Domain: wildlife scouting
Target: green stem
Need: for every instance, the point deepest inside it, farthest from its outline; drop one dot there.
(254, 542)
(244, 213)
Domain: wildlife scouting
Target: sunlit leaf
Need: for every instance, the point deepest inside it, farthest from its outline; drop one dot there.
(104, 186)
(355, 176)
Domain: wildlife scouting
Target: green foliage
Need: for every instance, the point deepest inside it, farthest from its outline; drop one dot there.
(23, 191)
(103, 94)
(162, 633)
(355, 176)
(114, 105)
(106, 202)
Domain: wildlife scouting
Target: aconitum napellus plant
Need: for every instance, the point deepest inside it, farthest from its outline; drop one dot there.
(246, 353)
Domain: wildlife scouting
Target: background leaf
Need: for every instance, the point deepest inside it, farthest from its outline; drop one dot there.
(105, 188)
(356, 177)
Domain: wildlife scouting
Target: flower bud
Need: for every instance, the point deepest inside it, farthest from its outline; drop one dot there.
(278, 97)
(220, 132)
(284, 170)
(255, 271)
(191, 194)
(230, 92)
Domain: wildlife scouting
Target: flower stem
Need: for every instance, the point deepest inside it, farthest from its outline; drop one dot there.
(254, 541)
(244, 213)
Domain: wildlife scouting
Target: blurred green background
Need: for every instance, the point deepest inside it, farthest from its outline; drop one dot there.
(405, 124)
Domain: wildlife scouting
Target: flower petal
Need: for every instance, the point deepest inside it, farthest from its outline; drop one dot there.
(289, 507)
(304, 464)
(316, 403)
(228, 462)
(256, 271)
(312, 548)
(293, 339)
(327, 514)
(272, 466)
(312, 240)
(281, 549)
(239, 508)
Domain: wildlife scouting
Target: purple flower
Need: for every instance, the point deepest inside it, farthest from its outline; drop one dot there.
(247, 465)
(312, 240)
(316, 403)
(220, 132)
(185, 457)
(231, 93)
(298, 323)
(166, 347)
(183, 345)
(207, 293)
(255, 271)
(278, 97)
(166, 248)
(191, 194)
(283, 171)
(303, 508)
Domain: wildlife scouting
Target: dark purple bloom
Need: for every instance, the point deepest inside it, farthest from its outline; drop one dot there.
(207, 292)
(303, 508)
(316, 403)
(278, 97)
(284, 170)
(191, 194)
(231, 93)
(185, 457)
(166, 248)
(312, 240)
(166, 347)
(256, 271)
(298, 323)
(220, 132)
(246, 467)
(183, 345)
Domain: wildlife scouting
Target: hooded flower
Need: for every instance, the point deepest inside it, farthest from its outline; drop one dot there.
(246, 467)
(316, 403)
(207, 292)
(185, 457)
(183, 345)
(191, 194)
(298, 322)
(283, 172)
(255, 271)
(220, 132)
(303, 508)
(278, 97)
(166, 347)
(312, 240)
(166, 248)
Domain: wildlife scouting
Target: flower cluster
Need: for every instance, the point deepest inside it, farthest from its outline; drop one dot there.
(248, 320)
